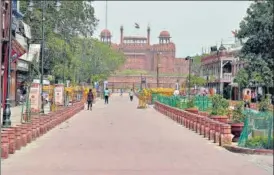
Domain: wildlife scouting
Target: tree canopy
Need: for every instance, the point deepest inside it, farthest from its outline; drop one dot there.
(70, 51)
(196, 80)
(257, 29)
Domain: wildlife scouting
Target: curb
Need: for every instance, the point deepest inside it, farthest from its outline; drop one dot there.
(237, 149)
(14, 138)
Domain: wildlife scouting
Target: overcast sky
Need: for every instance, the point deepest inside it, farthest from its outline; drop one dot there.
(192, 25)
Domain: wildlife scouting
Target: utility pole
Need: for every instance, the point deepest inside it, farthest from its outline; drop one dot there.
(42, 58)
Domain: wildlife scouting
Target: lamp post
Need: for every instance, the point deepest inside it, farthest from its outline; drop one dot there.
(7, 111)
(190, 59)
(30, 8)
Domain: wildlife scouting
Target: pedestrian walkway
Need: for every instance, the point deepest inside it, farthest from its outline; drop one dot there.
(16, 114)
(119, 139)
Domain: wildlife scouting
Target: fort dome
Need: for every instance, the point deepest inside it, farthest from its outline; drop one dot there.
(164, 34)
(105, 33)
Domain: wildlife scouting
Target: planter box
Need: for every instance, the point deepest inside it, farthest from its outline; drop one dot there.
(192, 110)
(219, 118)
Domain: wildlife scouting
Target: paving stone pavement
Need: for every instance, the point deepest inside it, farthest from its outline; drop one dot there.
(118, 139)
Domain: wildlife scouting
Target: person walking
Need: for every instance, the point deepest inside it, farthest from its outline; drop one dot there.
(131, 95)
(121, 92)
(90, 99)
(106, 94)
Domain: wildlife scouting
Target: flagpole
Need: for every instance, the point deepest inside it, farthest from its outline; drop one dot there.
(106, 25)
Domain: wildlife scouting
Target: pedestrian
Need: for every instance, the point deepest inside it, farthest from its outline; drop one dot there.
(121, 92)
(247, 99)
(131, 95)
(106, 94)
(90, 99)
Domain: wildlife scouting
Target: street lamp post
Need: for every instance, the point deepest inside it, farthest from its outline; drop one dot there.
(189, 72)
(7, 111)
(30, 8)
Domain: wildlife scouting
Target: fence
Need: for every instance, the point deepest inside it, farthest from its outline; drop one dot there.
(258, 130)
(201, 102)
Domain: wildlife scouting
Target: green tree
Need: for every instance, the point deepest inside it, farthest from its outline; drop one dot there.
(70, 51)
(242, 78)
(196, 80)
(257, 29)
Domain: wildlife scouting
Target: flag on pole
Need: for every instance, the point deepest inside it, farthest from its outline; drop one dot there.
(137, 26)
(234, 33)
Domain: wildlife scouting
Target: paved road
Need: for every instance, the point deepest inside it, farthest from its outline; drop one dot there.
(118, 139)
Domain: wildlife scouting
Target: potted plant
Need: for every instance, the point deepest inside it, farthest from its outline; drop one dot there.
(191, 107)
(219, 109)
(237, 122)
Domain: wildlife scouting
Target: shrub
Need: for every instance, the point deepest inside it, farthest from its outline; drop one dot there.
(219, 105)
(259, 143)
(263, 105)
(237, 113)
(190, 103)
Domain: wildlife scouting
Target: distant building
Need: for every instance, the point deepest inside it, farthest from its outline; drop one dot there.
(142, 55)
(220, 68)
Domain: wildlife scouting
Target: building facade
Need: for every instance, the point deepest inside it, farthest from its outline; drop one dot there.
(19, 50)
(141, 54)
(220, 68)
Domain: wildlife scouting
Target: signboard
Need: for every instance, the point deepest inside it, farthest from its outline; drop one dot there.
(23, 42)
(45, 82)
(34, 52)
(59, 94)
(34, 97)
(17, 48)
(21, 65)
(27, 30)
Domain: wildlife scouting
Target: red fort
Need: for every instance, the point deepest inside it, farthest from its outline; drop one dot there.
(142, 55)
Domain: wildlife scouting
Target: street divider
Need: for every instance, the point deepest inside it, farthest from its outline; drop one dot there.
(218, 132)
(14, 138)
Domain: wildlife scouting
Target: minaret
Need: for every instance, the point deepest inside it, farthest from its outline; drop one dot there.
(121, 35)
(148, 35)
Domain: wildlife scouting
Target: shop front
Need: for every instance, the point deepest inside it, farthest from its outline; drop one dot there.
(22, 75)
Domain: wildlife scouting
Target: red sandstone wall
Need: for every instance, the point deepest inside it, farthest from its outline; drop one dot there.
(137, 62)
(134, 81)
(149, 79)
